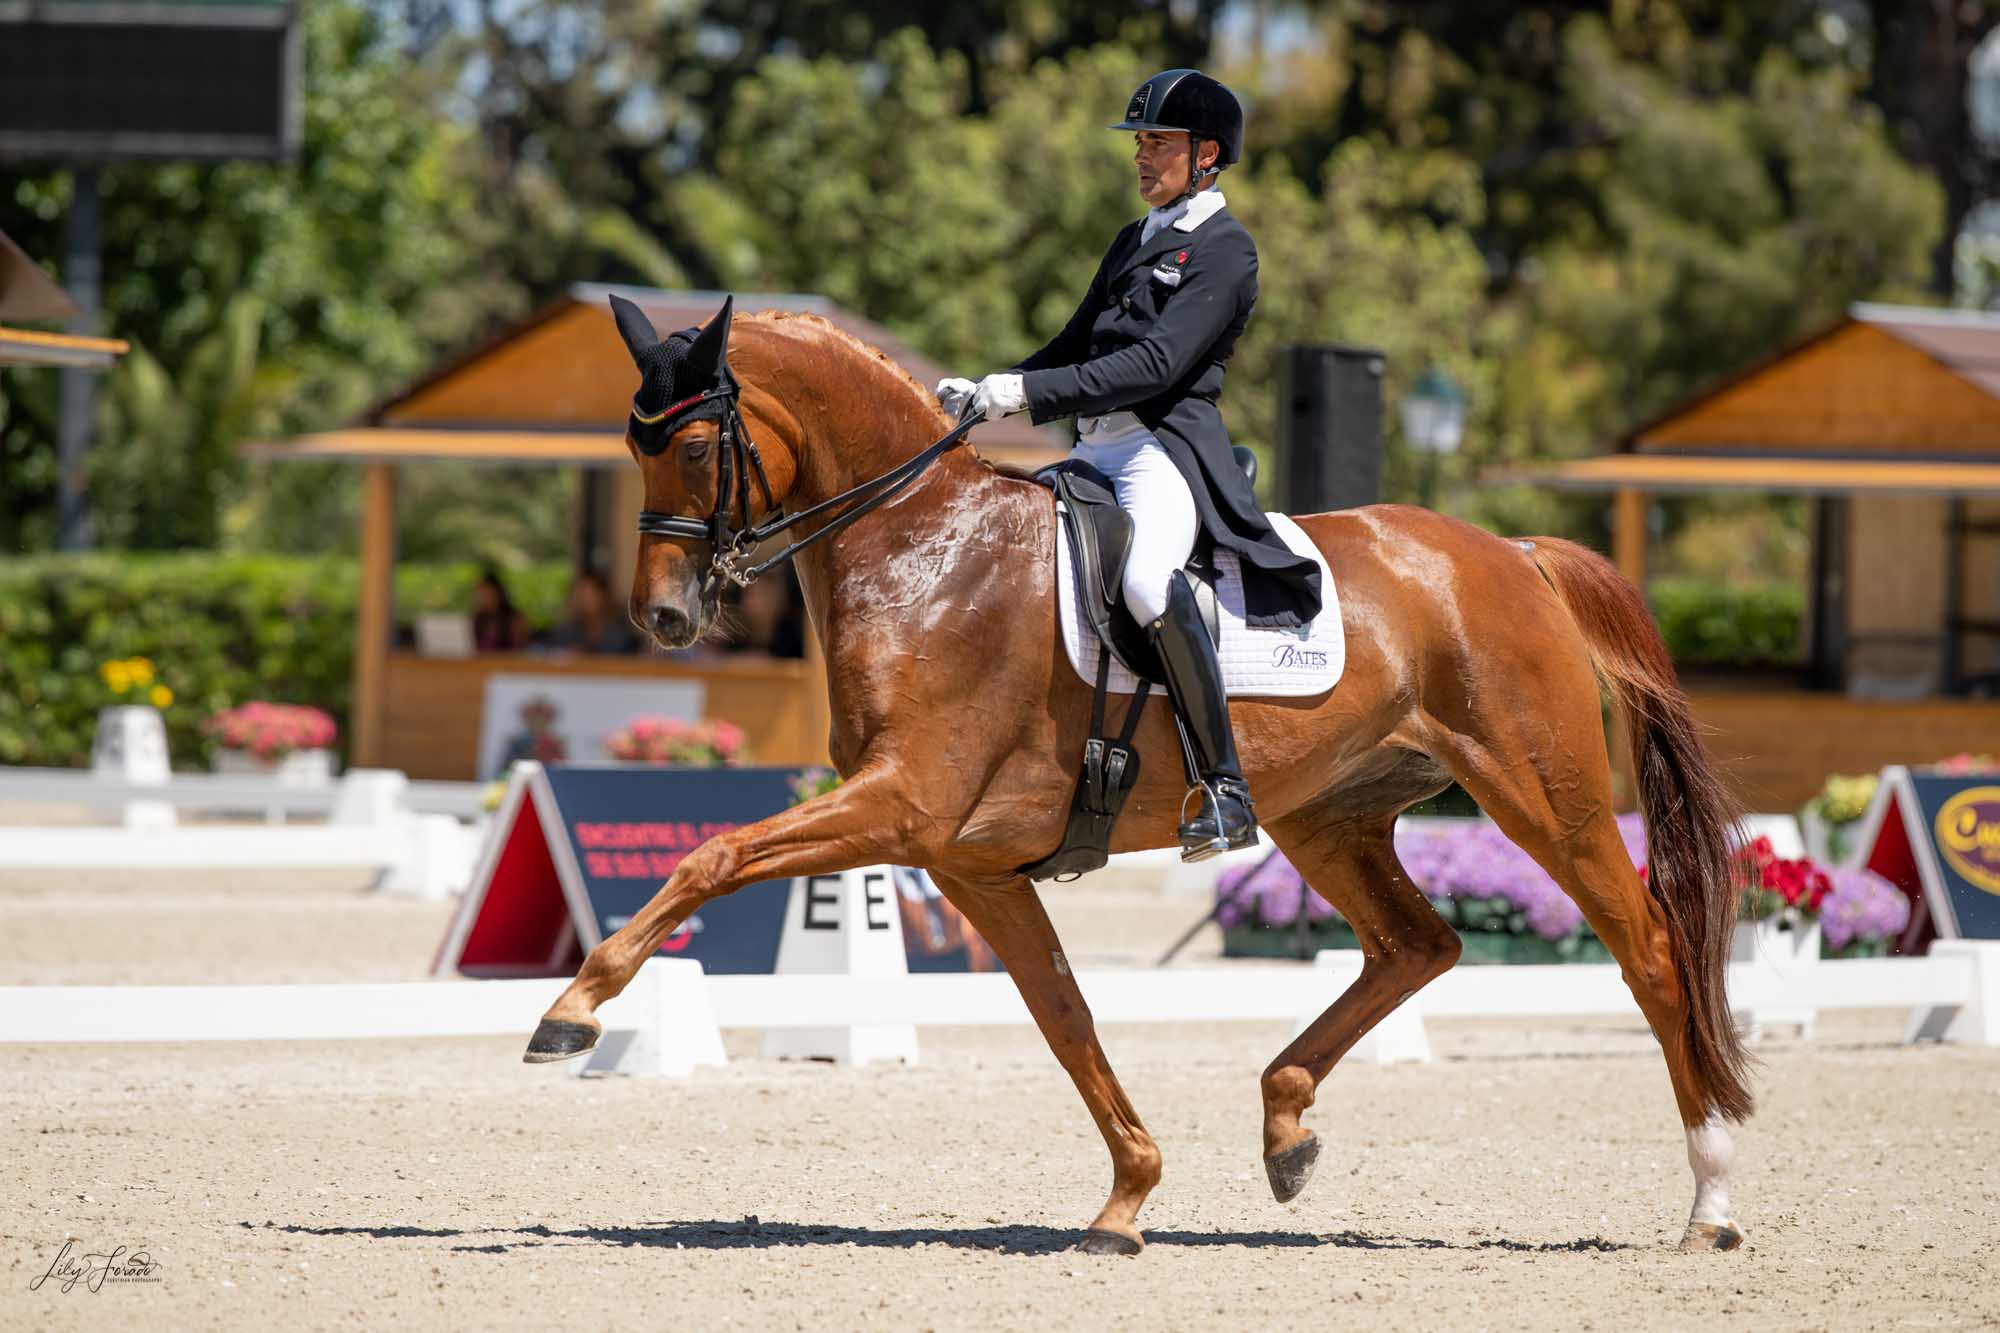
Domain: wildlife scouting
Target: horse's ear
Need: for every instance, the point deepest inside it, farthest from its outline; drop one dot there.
(710, 351)
(633, 327)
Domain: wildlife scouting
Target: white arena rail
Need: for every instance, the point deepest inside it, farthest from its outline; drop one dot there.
(674, 1014)
(660, 1024)
(210, 792)
(371, 823)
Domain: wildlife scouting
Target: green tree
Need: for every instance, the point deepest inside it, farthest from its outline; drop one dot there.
(260, 299)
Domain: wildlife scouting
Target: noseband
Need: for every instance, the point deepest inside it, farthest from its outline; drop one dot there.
(733, 548)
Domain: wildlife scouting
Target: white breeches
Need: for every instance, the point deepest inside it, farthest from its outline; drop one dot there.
(1151, 489)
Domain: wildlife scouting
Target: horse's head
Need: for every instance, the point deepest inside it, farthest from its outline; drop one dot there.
(703, 479)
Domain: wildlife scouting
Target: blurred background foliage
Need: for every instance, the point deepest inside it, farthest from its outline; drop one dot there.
(220, 630)
(1583, 211)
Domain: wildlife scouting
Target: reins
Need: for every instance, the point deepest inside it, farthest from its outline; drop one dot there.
(734, 548)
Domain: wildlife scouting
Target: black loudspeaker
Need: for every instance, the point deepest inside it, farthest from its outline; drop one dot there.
(1329, 447)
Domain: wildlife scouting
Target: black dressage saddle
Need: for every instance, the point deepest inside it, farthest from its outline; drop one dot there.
(1100, 539)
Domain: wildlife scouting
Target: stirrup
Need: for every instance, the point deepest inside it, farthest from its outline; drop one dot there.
(1197, 847)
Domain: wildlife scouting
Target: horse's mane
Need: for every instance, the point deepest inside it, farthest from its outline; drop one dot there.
(826, 328)
(926, 402)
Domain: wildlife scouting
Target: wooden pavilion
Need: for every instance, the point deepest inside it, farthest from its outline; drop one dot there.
(554, 390)
(1889, 422)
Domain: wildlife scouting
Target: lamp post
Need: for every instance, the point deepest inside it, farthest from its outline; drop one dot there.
(1433, 422)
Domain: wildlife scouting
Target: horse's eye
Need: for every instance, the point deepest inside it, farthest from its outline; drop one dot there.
(698, 450)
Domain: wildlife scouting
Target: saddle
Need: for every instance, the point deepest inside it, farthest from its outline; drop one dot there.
(1100, 538)
(1100, 534)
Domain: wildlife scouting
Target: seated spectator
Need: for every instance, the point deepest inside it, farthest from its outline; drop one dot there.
(591, 622)
(497, 627)
(770, 619)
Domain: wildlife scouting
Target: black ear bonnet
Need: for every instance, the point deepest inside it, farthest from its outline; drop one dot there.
(683, 377)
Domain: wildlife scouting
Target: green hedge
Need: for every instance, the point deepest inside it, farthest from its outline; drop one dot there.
(1711, 623)
(220, 631)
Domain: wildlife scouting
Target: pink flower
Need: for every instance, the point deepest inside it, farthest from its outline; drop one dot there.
(270, 730)
(668, 740)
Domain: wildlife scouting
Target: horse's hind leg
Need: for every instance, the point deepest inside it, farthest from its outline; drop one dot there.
(1010, 916)
(1553, 800)
(1404, 943)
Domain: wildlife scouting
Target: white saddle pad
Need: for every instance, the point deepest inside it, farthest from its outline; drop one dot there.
(1255, 662)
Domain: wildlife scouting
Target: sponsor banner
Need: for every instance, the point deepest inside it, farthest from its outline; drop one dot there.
(575, 851)
(1938, 836)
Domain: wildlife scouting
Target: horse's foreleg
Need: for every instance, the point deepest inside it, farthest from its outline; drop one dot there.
(1404, 943)
(1010, 916)
(853, 825)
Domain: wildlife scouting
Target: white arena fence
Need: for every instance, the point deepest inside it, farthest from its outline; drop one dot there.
(216, 793)
(409, 833)
(670, 1019)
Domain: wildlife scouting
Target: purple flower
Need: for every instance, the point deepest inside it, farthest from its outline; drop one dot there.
(1471, 860)
(1862, 906)
(1476, 861)
(1271, 896)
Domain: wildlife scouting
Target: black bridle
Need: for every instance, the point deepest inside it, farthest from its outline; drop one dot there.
(733, 548)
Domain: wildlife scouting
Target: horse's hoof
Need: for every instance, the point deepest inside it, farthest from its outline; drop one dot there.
(559, 1039)
(1711, 1236)
(1099, 1241)
(1291, 1169)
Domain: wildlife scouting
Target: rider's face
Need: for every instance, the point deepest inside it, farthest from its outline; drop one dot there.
(1162, 160)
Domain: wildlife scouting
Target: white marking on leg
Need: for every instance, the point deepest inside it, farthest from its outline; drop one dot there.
(1710, 1150)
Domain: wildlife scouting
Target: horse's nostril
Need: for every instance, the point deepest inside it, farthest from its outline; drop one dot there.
(669, 622)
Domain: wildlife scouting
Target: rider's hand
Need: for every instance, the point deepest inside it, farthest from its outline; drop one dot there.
(954, 394)
(1000, 396)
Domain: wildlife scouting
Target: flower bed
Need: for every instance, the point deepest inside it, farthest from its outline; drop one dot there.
(267, 732)
(1503, 906)
(1506, 909)
(669, 740)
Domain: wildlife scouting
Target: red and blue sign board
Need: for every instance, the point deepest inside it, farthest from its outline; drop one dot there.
(578, 849)
(1937, 836)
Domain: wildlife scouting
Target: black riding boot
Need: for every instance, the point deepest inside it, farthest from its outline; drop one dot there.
(1225, 821)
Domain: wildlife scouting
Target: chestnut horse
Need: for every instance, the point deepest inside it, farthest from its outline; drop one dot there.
(958, 722)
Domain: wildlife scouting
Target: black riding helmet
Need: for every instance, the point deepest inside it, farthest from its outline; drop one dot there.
(1189, 101)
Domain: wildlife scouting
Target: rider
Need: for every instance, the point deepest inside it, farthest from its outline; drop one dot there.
(1140, 365)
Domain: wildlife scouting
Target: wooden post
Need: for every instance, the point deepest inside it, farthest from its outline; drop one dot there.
(628, 497)
(819, 708)
(1628, 534)
(1628, 551)
(374, 613)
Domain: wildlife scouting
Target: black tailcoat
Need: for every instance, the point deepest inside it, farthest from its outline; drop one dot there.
(1145, 344)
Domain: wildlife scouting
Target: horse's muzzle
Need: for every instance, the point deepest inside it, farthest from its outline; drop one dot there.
(669, 626)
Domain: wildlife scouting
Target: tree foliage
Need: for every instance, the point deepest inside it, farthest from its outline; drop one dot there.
(1583, 211)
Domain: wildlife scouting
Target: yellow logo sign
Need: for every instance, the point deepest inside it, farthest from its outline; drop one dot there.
(1968, 833)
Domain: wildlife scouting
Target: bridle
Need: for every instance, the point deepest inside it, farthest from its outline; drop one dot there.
(733, 548)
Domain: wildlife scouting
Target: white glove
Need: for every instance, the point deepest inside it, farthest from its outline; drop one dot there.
(954, 394)
(1000, 396)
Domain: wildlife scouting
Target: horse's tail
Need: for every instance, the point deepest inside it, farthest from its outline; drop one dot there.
(1689, 814)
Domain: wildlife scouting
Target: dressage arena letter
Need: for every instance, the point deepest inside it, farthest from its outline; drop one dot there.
(846, 925)
(822, 906)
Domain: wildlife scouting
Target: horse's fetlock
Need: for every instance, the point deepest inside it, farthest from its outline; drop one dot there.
(1287, 1088)
(1142, 1166)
